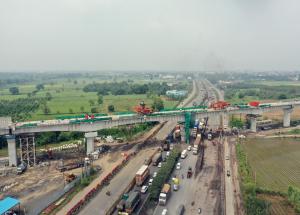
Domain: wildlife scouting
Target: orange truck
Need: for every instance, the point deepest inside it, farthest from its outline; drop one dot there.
(141, 175)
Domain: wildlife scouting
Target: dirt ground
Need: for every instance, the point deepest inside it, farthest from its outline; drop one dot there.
(34, 182)
(278, 115)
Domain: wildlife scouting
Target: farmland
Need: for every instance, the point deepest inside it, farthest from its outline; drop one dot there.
(275, 161)
(68, 97)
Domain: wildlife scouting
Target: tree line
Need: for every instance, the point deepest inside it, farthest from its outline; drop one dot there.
(126, 88)
(241, 90)
(19, 109)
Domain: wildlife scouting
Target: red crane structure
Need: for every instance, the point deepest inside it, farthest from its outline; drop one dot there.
(219, 105)
(143, 109)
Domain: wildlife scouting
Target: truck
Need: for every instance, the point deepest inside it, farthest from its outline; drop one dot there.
(70, 166)
(166, 145)
(132, 202)
(164, 194)
(21, 168)
(141, 175)
(156, 158)
(197, 144)
(209, 136)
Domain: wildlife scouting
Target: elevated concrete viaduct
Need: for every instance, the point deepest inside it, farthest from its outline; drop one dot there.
(90, 128)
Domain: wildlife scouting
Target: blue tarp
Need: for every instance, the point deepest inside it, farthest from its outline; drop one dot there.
(8, 203)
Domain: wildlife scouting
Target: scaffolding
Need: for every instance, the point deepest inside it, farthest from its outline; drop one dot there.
(27, 147)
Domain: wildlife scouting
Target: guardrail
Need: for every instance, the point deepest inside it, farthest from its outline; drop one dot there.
(127, 189)
(80, 204)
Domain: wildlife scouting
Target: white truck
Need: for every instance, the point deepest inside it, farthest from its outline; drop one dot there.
(197, 144)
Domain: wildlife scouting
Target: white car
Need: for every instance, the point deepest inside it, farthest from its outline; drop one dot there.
(178, 166)
(171, 147)
(154, 174)
(164, 212)
(167, 154)
(150, 181)
(159, 164)
(144, 189)
(189, 148)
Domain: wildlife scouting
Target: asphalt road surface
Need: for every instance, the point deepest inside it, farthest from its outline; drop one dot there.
(201, 191)
(229, 188)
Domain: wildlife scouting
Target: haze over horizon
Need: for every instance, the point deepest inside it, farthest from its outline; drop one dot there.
(149, 35)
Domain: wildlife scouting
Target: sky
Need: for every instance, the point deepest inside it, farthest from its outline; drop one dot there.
(163, 35)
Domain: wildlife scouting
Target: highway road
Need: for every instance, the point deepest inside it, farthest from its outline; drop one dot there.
(101, 202)
(229, 188)
(204, 191)
(201, 191)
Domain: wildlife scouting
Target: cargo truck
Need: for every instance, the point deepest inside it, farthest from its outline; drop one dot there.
(166, 145)
(156, 159)
(141, 175)
(132, 202)
(164, 194)
(197, 144)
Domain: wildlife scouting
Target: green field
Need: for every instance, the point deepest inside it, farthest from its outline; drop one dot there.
(276, 162)
(68, 98)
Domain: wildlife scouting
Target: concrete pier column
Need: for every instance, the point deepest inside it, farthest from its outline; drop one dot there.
(287, 117)
(90, 141)
(252, 123)
(12, 150)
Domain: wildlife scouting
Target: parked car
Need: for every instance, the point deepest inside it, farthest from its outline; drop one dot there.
(227, 157)
(159, 165)
(144, 189)
(154, 174)
(189, 148)
(150, 181)
(171, 147)
(228, 173)
(164, 212)
(178, 166)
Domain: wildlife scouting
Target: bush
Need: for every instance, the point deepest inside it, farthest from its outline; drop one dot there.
(163, 175)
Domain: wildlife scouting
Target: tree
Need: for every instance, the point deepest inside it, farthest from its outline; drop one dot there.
(95, 110)
(14, 90)
(75, 82)
(282, 96)
(92, 103)
(46, 110)
(48, 96)
(82, 109)
(100, 99)
(40, 87)
(111, 108)
(158, 104)
(71, 110)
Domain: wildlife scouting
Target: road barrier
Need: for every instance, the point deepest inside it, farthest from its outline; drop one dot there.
(92, 193)
(126, 190)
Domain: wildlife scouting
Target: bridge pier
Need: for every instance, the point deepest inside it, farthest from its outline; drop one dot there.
(90, 142)
(287, 117)
(12, 150)
(252, 122)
